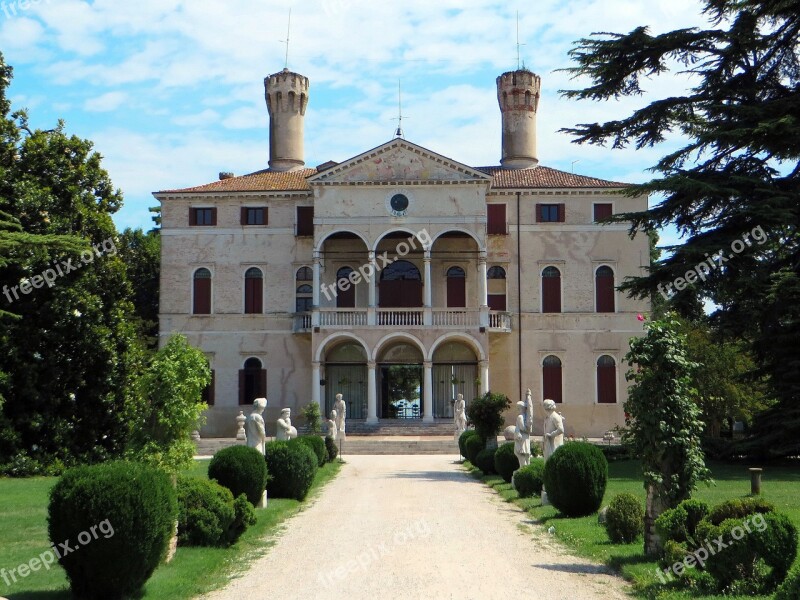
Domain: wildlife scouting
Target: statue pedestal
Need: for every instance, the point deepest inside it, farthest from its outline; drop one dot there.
(545, 500)
(263, 502)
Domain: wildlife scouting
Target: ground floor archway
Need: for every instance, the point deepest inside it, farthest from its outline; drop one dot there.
(455, 371)
(400, 382)
(346, 374)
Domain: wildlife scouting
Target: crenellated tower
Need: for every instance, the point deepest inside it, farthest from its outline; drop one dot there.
(287, 99)
(518, 95)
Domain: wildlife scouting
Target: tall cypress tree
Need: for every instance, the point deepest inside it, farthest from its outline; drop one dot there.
(733, 189)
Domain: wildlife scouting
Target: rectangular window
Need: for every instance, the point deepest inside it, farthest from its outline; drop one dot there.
(550, 213)
(254, 216)
(206, 217)
(305, 221)
(497, 302)
(208, 392)
(602, 211)
(496, 219)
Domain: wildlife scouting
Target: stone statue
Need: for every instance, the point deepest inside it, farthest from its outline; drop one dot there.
(285, 429)
(529, 411)
(553, 429)
(522, 439)
(341, 416)
(254, 426)
(460, 416)
(332, 429)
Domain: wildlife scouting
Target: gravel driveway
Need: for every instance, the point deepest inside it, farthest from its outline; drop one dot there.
(416, 527)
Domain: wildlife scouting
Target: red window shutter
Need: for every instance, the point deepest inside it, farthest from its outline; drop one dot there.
(213, 217)
(242, 386)
(497, 302)
(602, 211)
(606, 384)
(551, 377)
(192, 217)
(266, 216)
(496, 219)
(202, 297)
(551, 294)
(243, 216)
(561, 213)
(539, 217)
(252, 295)
(604, 291)
(262, 381)
(305, 220)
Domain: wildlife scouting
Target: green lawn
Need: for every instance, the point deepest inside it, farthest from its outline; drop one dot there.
(781, 484)
(23, 535)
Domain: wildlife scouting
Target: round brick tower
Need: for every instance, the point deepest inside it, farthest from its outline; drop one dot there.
(287, 98)
(518, 94)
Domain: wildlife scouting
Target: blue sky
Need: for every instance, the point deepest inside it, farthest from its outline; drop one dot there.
(171, 92)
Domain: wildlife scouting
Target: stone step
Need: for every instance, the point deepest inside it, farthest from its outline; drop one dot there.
(387, 444)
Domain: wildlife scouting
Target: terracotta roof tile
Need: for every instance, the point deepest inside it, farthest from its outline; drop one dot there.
(260, 181)
(543, 177)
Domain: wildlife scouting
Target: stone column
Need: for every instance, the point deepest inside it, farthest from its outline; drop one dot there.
(372, 302)
(315, 387)
(372, 393)
(483, 298)
(428, 290)
(315, 290)
(427, 389)
(484, 370)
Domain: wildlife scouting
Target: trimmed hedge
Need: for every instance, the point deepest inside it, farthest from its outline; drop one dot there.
(472, 446)
(130, 508)
(679, 524)
(528, 480)
(462, 440)
(208, 515)
(739, 508)
(505, 461)
(331, 448)
(485, 460)
(790, 588)
(575, 478)
(242, 470)
(317, 445)
(624, 519)
(292, 466)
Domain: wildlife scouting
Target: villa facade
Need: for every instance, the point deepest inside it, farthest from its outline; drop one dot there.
(401, 278)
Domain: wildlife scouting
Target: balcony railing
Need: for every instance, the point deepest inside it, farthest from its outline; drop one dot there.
(302, 322)
(412, 317)
(437, 318)
(343, 317)
(456, 318)
(499, 321)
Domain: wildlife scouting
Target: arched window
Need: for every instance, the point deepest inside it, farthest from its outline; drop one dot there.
(604, 289)
(551, 290)
(252, 381)
(345, 290)
(551, 379)
(456, 288)
(305, 274)
(606, 380)
(253, 291)
(497, 288)
(201, 303)
(303, 291)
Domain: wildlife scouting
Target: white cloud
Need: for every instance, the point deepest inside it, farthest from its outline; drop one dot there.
(106, 102)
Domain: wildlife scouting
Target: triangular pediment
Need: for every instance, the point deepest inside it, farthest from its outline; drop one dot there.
(399, 161)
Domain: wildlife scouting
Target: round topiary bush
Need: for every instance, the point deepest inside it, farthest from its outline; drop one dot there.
(317, 445)
(472, 446)
(790, 588)
(680, 523)
(505, 461)
(332, 448)
(292, 467)
(242, 470)
(208, 515)
(528, 480)
(624, 519)
(462, 441)
(739, 508)
(575, 478)
(119, 517)
(485, 460)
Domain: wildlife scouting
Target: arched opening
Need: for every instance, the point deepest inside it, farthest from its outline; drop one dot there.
(346, 374)
(342, 251)
(606, 380)
(252, 381)
(551, 290)
(455, 371)
(551, 379)
(400, 382)
(201, 292)
(400, 286)
(496, 277)
(303, 291)
(253, 291)
(604, 290)
(456, 288)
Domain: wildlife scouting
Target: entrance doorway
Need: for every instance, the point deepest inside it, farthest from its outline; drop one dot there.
(400, 383)
(346, 374)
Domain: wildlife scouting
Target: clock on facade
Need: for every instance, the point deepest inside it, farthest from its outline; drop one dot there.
(397, 204)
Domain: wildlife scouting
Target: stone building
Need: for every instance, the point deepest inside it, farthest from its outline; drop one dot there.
(401, 277)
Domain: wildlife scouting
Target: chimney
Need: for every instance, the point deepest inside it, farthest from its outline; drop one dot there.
(518, 95)
(287, 98)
